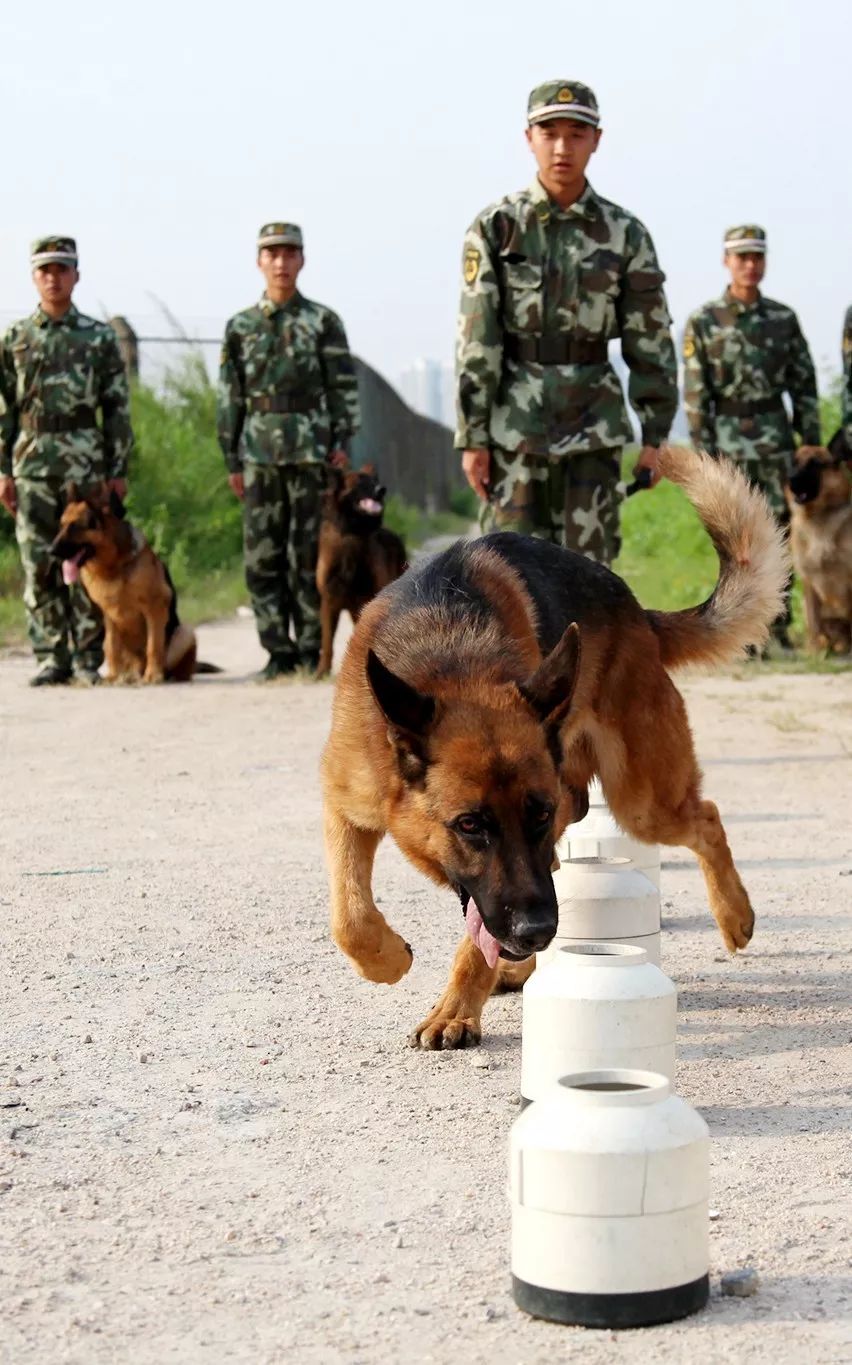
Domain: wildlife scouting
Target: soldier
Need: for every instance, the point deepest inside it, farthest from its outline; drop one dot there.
(741, 353)
(550, 276)
(288, 405)
(57, 368)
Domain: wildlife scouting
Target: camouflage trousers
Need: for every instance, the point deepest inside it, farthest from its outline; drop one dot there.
(281, 515)
(572, 500)
(61, 621)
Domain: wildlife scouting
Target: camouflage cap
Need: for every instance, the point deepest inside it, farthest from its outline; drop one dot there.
(279, 234)
(44, 250)
(563, 99)
(748, 237)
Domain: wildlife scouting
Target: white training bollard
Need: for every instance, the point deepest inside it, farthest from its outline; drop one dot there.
(609, 1183)
(605, 900)
(595, 1006)
(599, 835)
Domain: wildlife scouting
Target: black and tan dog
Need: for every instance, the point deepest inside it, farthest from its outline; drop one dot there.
(144, 641)
(358, 556)
(819, 496)
(479, 696)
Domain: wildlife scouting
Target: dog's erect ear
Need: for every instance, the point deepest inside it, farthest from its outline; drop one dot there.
(838, 447)
(72, 494)
(406, 709)
(549, 690)
(367, 468)
(116, 506)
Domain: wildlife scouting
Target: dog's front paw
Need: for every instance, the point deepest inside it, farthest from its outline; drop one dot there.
(444, 1030)
(737, 926)
(152, 676)
(384, 957)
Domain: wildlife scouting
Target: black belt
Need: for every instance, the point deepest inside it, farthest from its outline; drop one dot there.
(558, 350)
(51, 423)
(735, 407)
(289, 402)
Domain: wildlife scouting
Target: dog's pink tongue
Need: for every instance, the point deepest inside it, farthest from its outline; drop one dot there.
(70, 571)
(370, 506)
(485, 942)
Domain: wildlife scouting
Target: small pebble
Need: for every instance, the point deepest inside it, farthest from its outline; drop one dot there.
(740, 1284)
(88, 1038)
(713, 1214)
(481, 1061)
(399, 1242)
(143, 1056)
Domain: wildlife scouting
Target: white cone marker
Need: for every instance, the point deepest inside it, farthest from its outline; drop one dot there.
(609, 1182)
(595, 1006)
(605, 900)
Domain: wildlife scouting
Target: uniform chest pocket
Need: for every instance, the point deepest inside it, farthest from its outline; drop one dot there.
(523, 284)
(597, 277)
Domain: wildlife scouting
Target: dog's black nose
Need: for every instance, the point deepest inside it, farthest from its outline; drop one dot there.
(531, 931)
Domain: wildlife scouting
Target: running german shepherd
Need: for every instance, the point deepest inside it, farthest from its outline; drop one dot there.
(480, 694)
(145, 641)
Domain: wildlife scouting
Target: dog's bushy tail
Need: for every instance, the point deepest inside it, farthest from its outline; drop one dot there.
(753, 559)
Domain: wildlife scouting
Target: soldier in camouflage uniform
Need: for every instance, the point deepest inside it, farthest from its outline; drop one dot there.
(288, 405)
(741, 353)
(551, 275)
(57, 369)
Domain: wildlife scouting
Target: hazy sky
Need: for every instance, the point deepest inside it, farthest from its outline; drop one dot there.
(163, 135)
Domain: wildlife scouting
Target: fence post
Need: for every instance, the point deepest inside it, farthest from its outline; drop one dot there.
(128, 344)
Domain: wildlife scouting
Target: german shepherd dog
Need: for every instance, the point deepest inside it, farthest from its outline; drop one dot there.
(819, 496)
(358, 556)
(479, 695)
(145, 641)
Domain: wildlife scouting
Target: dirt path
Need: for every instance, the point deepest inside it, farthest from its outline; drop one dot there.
(215, 1145)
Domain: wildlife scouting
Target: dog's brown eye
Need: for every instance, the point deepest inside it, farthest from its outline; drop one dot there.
(469, 825)
(539, 815)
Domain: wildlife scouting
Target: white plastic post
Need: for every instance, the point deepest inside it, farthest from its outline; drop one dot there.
(599, 835)
(609, 1184)
(595, 1006)
(605, 900)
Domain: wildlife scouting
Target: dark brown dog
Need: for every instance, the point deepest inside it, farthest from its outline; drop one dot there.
(479, 696)
(145, 641)
(358, 556)
(819, 496)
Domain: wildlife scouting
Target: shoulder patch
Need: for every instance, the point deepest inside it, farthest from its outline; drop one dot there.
(688, 347)
(472, 261)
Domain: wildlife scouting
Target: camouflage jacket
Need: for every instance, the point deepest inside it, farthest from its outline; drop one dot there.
(55, 373)
(748, 354)
(847, 375)
(277, 356)
(581, 276)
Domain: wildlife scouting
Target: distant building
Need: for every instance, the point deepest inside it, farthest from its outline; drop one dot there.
(427, 387)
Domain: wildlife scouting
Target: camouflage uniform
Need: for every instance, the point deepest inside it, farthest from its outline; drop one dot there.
(54, 376)
(847, 375)
(545, 289)
(288, 396)
(738, 361)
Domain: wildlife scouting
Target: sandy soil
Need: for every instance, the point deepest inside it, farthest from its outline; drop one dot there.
(214, 1143)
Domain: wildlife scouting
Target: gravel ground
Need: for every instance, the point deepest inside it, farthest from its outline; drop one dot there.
(214, 1143)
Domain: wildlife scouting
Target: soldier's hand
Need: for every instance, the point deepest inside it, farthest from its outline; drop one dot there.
(476, 464)
(236, 483)
(649, 458)
(338, 458)
(8, 497)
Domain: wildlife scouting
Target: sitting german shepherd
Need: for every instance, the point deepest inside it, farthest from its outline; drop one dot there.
(819, 496)
(144, 641)
(481, 693)
(358, 556)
